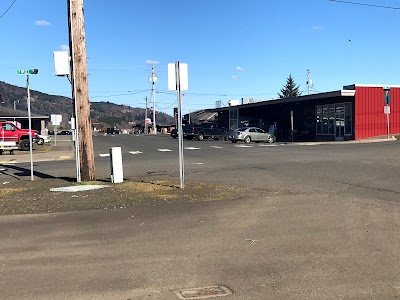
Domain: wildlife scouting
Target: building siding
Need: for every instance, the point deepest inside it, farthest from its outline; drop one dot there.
(370, 119)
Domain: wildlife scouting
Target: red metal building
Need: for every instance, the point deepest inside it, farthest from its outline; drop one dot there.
(370, 118)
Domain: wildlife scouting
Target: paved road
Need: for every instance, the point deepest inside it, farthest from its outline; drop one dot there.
(322, 222)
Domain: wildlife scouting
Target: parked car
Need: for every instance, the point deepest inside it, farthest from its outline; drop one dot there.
(65, 132)
(113, 130)
(251, 134)
(174, 133)
(203, 131)
(43, 139)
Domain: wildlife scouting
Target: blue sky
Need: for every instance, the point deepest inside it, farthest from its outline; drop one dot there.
(233, 48)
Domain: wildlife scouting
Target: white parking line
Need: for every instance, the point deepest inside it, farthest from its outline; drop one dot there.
(216, 147)
(192, 148)
(243, 146)
(135, 152)
(164, 150)
(268, 145)
(104, 154)
(197, 163)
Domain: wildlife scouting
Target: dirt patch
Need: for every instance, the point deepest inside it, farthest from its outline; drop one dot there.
(35, 149)
(26, 197)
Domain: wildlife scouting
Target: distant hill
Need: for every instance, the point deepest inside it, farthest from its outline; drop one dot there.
(103, 114)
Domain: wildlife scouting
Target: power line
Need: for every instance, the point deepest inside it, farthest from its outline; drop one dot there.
(167, 106)
(365, 4)
(8, 9)
(117, 95)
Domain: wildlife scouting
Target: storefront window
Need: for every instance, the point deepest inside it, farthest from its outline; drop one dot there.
(326, 118)
(339, 107)
(348, 119)
(233, 118)
(331, 115)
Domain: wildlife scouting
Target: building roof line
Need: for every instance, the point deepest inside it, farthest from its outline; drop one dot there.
(352, 86)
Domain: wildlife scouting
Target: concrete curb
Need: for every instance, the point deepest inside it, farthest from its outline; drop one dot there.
(36, 158)
(365, 141)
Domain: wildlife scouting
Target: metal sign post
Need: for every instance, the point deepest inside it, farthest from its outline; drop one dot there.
(180, 131)
(386, 110)
(27, 72)
(30, 124)
(178, 80)
(387, 98)
(291, 124)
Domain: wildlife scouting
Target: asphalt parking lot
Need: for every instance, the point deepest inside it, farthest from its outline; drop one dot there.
(318, 222)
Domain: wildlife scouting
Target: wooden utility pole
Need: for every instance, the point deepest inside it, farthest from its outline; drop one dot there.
(80, 91)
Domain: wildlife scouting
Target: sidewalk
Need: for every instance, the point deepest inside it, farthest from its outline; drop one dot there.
(63, 150)
(363, 141)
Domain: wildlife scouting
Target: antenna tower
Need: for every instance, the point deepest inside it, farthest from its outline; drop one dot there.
(309, 82)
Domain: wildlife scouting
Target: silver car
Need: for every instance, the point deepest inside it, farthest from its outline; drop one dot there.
(251, 134)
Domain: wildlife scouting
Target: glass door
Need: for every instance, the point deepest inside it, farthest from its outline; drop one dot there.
(339, 126)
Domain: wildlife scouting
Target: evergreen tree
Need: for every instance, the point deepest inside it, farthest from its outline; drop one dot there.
(289, 89)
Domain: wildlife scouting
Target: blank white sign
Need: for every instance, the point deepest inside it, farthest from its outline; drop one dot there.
(183, 74)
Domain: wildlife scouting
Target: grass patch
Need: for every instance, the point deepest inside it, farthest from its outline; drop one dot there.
(26, 197)
(36, 149)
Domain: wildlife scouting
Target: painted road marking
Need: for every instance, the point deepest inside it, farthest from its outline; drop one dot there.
(216, 147)
(192, 148)
(104, 154)
(243, 146)
(164, 150)
(197, 163)
(268, 145)
(135, 152)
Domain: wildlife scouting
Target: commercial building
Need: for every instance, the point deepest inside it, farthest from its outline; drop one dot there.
(355, 112)
(38, 121)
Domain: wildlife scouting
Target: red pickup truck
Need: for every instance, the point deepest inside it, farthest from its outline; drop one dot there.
(11, 133)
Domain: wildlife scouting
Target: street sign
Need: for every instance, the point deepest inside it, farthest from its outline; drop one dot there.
(387, 97)
(183, 77)
(56, 119)
(27, 71)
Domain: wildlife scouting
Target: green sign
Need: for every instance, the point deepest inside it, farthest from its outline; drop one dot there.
(27, 71)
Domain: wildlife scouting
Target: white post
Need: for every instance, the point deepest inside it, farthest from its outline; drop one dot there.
(30, 124)
(117, 173)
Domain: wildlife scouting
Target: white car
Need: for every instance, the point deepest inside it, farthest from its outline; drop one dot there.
(43, 139)
(250, 134)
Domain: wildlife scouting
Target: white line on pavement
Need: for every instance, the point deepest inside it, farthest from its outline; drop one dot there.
(268, 145)
(216, 147)
(135, 152)
(243, 146)
(192, 148)
(164, 150)
(197, 163)
(104, 154)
